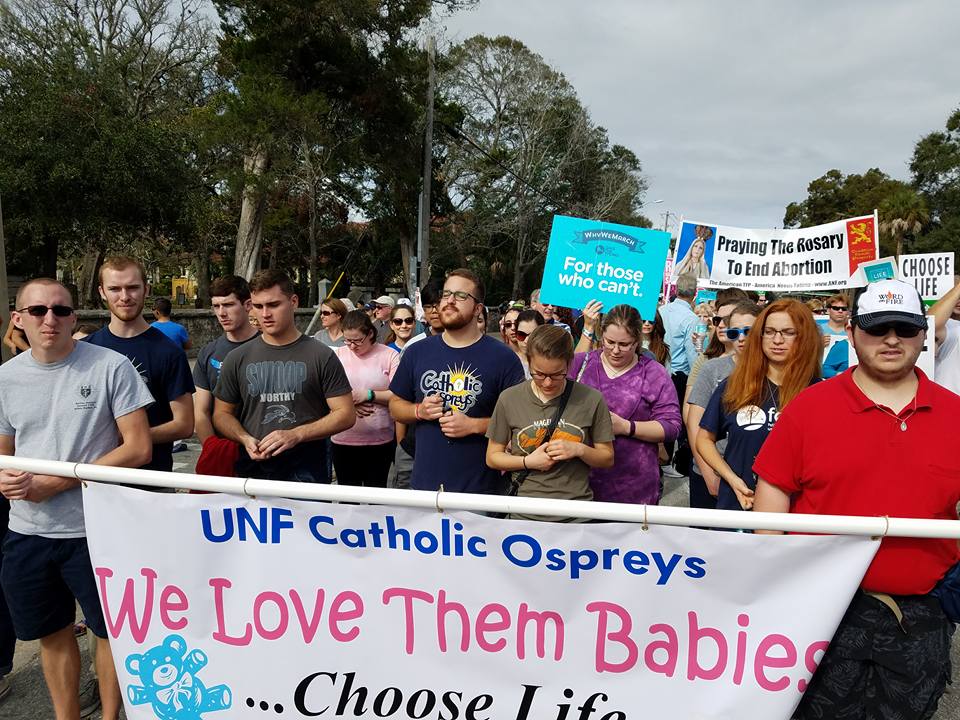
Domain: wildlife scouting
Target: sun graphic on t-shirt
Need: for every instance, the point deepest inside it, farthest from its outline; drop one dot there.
(459, 385)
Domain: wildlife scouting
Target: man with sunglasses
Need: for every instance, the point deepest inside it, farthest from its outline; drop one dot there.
(890, 656)
(74, 402)
(448, 386)
(383, 306)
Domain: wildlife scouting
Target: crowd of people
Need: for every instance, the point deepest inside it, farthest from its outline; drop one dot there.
(596, 403)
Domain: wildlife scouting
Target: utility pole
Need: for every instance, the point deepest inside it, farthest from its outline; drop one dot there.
(4, 300)
(423, 249)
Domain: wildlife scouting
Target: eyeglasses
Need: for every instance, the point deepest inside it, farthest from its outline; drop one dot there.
(521, 335)
(430, 307)
(397, 322)
(613, 344)
(543, 376)
(458, 294)
(508, 324)
(354, 343)
(901, 329)
(42, 310)
(735, 333)
(785, 333)
(839, 308)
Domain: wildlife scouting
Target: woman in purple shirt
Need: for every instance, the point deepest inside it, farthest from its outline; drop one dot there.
(642, 401)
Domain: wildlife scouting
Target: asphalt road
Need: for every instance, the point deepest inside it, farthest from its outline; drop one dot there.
(29, 700)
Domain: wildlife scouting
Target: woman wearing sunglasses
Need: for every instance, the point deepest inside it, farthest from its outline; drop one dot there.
(710, 367)
(332, 312)
(527, 321)
(642, 401)
(558, 466)
(779, 358)
(362, 454)
(402, 327)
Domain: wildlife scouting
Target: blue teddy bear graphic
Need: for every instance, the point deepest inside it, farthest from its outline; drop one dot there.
(170, 685)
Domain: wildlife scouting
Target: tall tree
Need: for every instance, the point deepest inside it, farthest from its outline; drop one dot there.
(524, 149)
(902, 214)
(93, 94)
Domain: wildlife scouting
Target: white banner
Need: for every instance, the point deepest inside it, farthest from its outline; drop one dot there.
(931, 273)
(219, 606)
(816, 258)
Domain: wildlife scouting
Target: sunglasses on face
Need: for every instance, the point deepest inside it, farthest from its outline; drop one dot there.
(717, 319)
(839, 308)
(42, 310)
(902, 330)
(521, 335)
(397, 322)
(735, 333)
(508, 324)
(327, 313)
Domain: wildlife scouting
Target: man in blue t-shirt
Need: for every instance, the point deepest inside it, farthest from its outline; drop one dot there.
(447, 385)
(161, 364)
(175, 331)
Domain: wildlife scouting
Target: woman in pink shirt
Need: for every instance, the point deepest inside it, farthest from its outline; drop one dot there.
(362, 454)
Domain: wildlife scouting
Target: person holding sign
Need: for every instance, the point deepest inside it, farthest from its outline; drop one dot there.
(890, 656)
(780, 358)
(946, 312)
(642, 400)
(574, 416)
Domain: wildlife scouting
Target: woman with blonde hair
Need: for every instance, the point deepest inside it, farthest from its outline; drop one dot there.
(695, 263)
(780, 358)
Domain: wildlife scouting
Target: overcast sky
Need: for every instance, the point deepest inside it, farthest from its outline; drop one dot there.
(734, 107)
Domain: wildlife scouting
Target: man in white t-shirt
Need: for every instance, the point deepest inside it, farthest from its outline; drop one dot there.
(946, 313)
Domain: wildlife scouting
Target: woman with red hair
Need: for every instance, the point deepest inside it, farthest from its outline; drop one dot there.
(781, 357)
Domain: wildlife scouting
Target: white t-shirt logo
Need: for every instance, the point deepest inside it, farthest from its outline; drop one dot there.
(750, 417)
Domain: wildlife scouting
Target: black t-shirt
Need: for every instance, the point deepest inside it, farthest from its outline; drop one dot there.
(746, 429)
(163, 367)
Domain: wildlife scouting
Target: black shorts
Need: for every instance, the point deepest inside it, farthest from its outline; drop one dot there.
(41, 579)
(874, 670)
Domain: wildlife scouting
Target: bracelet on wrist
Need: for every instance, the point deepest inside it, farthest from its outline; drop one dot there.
(416, 411)
(589, 334)
(370, 396)
(523, 459)
(633, 428)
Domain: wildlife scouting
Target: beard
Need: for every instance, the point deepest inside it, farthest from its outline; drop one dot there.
(455, 320)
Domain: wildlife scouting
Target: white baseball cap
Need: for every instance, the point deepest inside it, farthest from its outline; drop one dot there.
(888, 301)
(385, 300)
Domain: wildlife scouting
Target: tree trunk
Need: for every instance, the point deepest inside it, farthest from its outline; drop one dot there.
(406, 252)
(899, 245)
(201, 268)
(87, 278)
(250, 231)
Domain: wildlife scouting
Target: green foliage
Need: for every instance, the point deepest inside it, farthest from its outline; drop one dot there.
(936, 173)
(93, 96)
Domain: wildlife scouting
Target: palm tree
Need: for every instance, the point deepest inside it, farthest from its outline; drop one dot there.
(903, 213)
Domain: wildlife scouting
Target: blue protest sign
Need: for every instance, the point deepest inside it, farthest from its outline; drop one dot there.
(704, 295)
(591, 260)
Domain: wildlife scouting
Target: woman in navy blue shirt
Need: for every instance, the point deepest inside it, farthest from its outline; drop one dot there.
(781, 358)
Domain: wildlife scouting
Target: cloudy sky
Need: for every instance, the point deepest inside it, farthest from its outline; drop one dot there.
(734, 107)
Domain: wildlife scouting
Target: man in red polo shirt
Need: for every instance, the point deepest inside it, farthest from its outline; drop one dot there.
(890, 657)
